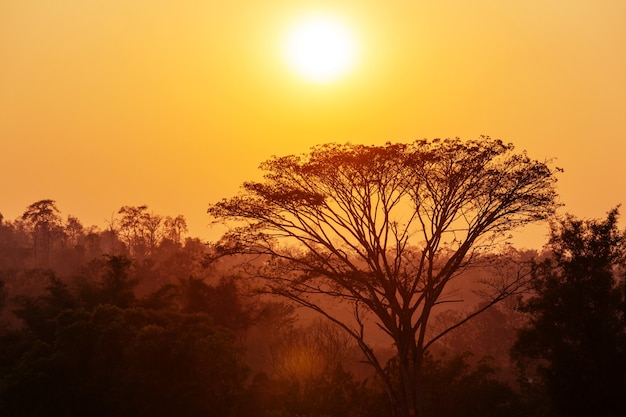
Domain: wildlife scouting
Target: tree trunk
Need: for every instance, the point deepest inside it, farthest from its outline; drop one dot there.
(408, 378)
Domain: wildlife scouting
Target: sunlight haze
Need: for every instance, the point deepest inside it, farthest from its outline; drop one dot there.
(175, 104)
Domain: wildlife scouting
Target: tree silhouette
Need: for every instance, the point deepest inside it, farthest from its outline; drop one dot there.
(132, 228)
(385, 229)
(43, 217)
(175, 227)
(73, 229)
(577, 330)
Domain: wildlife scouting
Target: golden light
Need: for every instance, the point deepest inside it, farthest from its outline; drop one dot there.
(320, 49)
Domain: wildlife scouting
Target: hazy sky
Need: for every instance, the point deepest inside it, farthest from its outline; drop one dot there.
(174, 104)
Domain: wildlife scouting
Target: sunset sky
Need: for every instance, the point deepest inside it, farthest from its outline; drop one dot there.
(174, 104)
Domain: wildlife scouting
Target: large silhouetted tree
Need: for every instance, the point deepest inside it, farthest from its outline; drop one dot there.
(577, 331)
(385, 229)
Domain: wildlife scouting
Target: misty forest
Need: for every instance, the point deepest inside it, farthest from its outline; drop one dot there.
(350, 281)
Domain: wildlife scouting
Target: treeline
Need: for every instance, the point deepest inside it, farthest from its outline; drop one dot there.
(41, 237)
(139, 320)
(134, 320)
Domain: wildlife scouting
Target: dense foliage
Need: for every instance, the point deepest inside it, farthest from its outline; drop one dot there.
(102, 352)
(91, 324)
(576, 336)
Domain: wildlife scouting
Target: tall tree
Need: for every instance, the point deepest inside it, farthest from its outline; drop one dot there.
(175, 227)
(577, 331)
(385, 229)
(131, 227)
(43, 218)
(73, 229)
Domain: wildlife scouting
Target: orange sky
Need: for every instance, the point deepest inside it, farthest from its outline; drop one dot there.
(174, 104)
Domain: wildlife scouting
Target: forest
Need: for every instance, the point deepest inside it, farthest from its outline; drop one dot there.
(325, 299)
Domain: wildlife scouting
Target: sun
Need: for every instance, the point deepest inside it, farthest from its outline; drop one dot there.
(320, 49)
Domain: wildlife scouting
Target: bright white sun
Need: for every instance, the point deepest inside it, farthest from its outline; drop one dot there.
(320, 49)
